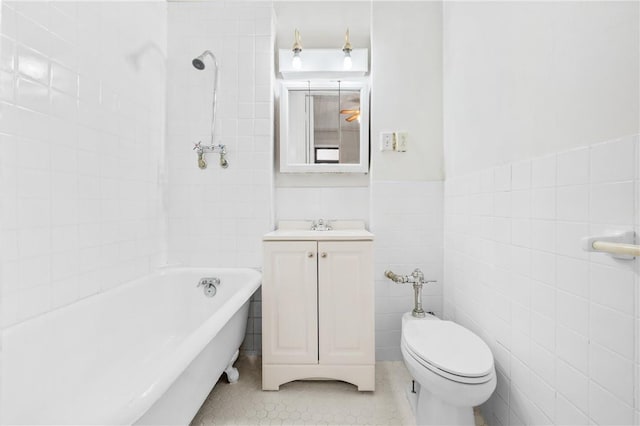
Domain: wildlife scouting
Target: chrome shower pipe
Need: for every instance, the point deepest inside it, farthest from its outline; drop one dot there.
(198, 63)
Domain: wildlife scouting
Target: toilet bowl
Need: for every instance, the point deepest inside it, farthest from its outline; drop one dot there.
(453, 367)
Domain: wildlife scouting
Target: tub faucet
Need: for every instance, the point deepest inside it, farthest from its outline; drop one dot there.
(201, 150)
(417, 279)
(209, 285)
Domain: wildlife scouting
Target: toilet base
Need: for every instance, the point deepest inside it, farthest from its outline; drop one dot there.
(411, 392)
(431, 410)
(435, 411)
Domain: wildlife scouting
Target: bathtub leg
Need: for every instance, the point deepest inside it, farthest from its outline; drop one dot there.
(232, 373)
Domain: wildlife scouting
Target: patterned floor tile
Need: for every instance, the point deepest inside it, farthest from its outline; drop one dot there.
(309, 402)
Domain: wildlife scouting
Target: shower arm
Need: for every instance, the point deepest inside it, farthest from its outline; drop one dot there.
(215, 92)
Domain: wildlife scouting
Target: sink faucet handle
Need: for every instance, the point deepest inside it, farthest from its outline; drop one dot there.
(321, 225)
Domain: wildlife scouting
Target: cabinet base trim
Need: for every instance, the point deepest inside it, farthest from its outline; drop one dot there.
(363, 376)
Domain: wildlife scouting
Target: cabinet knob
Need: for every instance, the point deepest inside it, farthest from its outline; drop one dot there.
(323, 254)
(309, 254)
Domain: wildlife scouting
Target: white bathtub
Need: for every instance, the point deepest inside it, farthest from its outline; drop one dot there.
(147, 352)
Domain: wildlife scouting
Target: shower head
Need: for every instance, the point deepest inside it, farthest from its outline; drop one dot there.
(198, 62)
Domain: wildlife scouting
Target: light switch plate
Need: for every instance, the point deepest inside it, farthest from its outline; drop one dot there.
(386, 141)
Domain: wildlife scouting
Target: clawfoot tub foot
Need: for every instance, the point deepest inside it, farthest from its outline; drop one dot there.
(232, 373)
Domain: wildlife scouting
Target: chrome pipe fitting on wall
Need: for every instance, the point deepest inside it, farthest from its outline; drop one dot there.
(417, 279)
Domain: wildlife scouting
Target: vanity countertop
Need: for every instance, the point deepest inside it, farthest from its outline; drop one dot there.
(301, 231)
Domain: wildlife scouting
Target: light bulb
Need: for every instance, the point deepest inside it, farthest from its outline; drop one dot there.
(347, 62)
(296, 62)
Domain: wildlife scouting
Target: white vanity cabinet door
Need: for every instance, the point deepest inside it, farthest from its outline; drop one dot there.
(346, 302)
(290, 303)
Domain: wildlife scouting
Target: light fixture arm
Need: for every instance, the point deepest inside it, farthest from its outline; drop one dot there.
(346, 48)
(297, 44)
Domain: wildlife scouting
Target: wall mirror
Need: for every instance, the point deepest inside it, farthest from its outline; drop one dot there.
(324, 127)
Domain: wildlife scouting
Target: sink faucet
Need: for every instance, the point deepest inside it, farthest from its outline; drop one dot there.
(417, 279)
(321, 225)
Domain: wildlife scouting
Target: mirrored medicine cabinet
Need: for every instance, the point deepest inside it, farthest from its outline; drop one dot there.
(324, 127)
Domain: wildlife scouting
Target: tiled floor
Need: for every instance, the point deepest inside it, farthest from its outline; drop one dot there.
(308, 402)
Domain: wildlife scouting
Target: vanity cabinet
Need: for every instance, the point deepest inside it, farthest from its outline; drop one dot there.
(318, 307)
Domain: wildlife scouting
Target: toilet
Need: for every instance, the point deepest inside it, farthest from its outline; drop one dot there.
(453, 369)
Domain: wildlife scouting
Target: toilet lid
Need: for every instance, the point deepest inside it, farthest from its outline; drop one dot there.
(449, 347)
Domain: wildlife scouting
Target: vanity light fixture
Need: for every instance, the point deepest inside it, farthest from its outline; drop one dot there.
(347, 62)
(296, 61)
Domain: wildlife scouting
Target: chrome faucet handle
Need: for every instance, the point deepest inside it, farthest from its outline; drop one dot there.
(197, 146)
(209, 282)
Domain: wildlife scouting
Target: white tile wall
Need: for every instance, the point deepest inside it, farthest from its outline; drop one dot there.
(562, 323)
(407, 220)
(81, 145)
(312, 203)
(218, 216)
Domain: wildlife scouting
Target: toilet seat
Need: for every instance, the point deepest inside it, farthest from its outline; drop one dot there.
(449, 350)
(441, 373)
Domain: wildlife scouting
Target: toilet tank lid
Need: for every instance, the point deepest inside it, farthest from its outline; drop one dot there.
(449, 347)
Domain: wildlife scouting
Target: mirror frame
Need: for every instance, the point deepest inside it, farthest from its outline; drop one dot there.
(362, 166)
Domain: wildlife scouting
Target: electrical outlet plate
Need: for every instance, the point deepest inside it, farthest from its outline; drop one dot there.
(386, 141)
